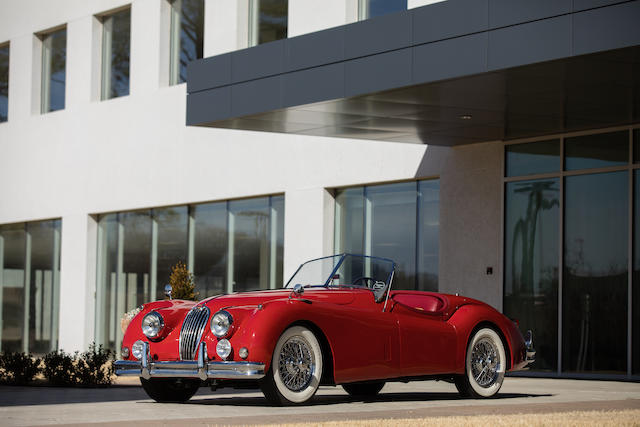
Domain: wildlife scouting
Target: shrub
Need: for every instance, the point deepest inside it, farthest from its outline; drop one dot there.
(18, 368)
(182, 284)
(59, 368)
(90, 368)
(94, 366)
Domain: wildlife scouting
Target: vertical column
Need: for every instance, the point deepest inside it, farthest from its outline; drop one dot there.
(145, 45)
(308, 227)
(79, 65)
(231, 240)
(308, 16)
(226, 26)
(55, 291)
(45, 89)
(191, 236)
(77, 282)
(154, 257)
(273, 244)
(27, 291)
(121, 292)
(105, 59)
(101, 284)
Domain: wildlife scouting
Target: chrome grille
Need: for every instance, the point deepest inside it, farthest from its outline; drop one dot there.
(192, 328)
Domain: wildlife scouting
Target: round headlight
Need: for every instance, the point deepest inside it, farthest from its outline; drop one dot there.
(152, 324)
(223, 349)
(137, 349)
(220, 323)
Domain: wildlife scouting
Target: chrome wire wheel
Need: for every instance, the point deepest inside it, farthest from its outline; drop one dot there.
(296, 368)
(485, 365)
(296, 363)
(485, 362)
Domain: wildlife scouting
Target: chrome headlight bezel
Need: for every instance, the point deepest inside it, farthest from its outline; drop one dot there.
(221, 323)
(152, 328)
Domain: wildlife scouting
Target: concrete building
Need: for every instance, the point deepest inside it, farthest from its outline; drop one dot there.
(490, 147)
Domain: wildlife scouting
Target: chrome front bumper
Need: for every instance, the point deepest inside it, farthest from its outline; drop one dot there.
(200, 368)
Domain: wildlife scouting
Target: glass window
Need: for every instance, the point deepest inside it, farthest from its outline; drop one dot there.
(391, 228)
(248, 231)
(210, 264)
(636, 273)
(116, 40)
(4, 83)
(597, 151)
(532, 158)
(229, 246)
(397, 221)
(372, 8)
(12, 269)
(30, 279)
(172, 240)
(54, 59)
(268, 21)
(595, 285)
(428, 234)
(531, 262)
(187, 36)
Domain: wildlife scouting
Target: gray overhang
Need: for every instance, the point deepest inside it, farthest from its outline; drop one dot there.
(454, 72)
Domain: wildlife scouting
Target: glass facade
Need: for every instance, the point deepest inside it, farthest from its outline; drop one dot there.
(187, 36)
(230, 246)
(4, 83)
(531, 262)
(29, 286)
(568, 251)
(397, 221)
(268, 21)
(372, 8)
(54, 60)
(116, 45)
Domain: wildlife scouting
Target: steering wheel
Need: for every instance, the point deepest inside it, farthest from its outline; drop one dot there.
(366, 281)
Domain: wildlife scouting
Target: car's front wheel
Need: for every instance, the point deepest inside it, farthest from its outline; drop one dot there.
(484, 366)
(170, 390)
(296, 368)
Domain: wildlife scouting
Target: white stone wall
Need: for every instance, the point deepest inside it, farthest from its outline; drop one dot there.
(136, 152)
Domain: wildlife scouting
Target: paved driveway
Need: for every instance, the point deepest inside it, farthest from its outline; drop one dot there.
(21, 406)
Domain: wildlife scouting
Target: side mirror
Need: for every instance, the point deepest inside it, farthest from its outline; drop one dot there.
(298, 290)
(167, 291)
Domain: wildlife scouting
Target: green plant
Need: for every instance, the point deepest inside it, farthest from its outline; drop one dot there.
(182, 284)
(90, 368)
(94, 366)
(18, 368)
(59, 368)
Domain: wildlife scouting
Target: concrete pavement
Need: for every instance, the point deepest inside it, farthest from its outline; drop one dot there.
(24, 406)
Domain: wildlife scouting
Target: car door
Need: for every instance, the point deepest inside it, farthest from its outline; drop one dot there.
(427, 342)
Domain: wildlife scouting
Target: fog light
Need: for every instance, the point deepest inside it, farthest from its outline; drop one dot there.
(125, 352)
(137, 349)
(243, 352)
(223, 349)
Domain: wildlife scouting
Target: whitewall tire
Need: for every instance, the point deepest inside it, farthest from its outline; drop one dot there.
(485, 365)
(296, 368)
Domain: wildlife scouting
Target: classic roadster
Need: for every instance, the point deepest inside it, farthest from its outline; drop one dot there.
(336, 322)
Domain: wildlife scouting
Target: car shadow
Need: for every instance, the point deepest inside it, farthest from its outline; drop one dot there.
(332, 399)
(45, 395)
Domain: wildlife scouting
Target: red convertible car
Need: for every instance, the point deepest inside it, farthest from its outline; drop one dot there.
(337, 321)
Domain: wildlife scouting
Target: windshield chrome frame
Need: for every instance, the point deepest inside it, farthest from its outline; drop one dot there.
(342, 257)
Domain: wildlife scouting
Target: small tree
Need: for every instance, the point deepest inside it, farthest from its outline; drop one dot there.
(182, 284)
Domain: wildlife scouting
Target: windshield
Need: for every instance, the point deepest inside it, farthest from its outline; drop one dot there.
(345, 270)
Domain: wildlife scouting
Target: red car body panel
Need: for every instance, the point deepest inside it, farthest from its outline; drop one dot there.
(417, 334)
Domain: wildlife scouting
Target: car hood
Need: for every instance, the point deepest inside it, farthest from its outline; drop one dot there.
(334, 296)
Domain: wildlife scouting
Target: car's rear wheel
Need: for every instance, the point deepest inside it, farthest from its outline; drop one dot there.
(363, 389)
(296, 368)
(484, 366)
(170, 390)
